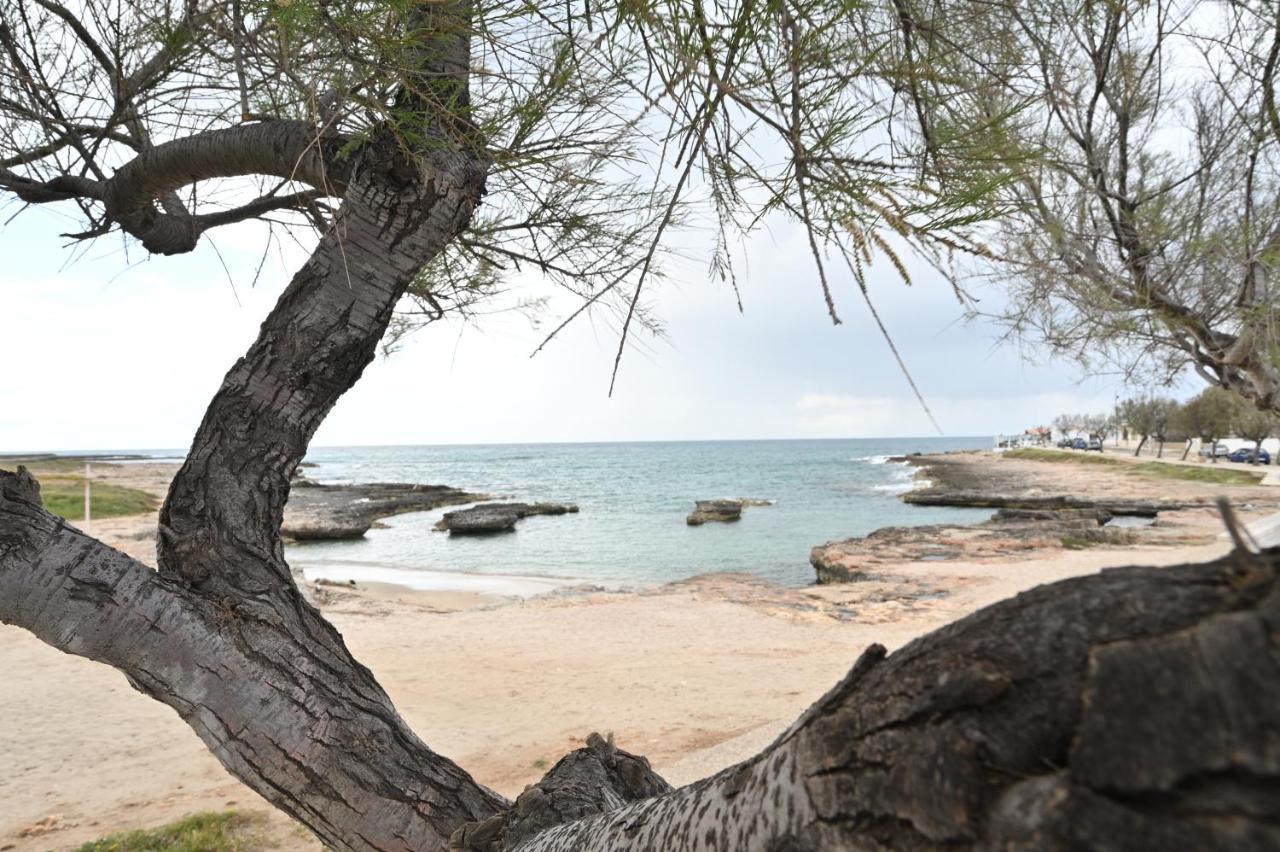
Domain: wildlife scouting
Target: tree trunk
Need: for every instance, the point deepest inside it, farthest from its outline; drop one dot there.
(1160, 449)
(1141, 443)
(1054, 720)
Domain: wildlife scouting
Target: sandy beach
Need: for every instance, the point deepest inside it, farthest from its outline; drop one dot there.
(696, 675)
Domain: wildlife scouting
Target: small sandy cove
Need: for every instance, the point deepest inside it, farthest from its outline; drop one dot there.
(696, 675)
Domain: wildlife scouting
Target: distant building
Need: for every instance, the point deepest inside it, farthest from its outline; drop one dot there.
(1036, 436)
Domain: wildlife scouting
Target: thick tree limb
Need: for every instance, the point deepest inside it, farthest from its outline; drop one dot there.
(1128, 710)
(290, 150)
(286, 709)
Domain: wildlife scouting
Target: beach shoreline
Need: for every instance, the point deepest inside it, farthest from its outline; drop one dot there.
(695, 674)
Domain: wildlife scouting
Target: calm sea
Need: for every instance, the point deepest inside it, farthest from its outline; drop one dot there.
(633, 499)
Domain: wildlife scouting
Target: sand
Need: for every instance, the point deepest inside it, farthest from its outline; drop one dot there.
(696, 675)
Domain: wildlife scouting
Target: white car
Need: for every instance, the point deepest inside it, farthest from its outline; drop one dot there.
(1220, 450)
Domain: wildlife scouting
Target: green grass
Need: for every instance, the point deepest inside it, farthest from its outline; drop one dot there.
(1076, 457)
(225, 831)
(1205, 473)
(1210, 473)
(1071, 542)
(62, 489)
(65, 496)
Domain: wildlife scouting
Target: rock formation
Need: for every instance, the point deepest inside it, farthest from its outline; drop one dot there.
(714, 510)
(497, 517)
(318, 512)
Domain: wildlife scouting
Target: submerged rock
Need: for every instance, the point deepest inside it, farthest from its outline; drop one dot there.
(714, 510)
(498, 517)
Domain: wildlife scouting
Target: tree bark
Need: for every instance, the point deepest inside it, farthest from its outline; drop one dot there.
(1128, 710)
(1141, 444)
(279, 701)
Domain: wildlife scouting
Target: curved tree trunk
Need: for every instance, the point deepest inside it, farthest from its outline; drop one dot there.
(1141, 444)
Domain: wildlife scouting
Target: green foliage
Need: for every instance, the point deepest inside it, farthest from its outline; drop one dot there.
(1209, 415)
(225, 831)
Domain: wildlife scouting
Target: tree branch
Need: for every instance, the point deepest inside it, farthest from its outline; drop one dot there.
(287, 711)
(290, 150)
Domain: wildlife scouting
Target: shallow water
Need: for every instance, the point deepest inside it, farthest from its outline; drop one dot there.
(634, 498)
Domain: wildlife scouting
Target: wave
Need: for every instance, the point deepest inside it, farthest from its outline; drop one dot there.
(895, 487)
(873, 459)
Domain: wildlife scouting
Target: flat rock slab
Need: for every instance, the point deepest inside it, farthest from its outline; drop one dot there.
(497, 517)
(318, 512)
(714, 510)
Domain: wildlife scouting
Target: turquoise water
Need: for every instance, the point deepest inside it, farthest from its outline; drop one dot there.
(633, 499)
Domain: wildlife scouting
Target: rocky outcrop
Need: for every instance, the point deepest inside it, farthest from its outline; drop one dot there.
(722, 510)
(966, 480)
(1009, 533)
(497, 517)
(318, 512)
(714, 510)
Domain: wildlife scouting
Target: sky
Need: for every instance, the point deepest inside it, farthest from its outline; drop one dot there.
(112, 350)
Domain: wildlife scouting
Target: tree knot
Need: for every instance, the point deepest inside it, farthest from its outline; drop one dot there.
(593, 780)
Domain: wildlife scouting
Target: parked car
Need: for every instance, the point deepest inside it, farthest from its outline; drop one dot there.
(1079, 444)
(1245, 454)
(1095, 444)
(1219, 450)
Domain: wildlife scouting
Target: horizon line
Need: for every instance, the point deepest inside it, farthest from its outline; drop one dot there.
(122, 450)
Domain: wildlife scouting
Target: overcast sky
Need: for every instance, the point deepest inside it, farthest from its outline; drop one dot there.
(102, 354)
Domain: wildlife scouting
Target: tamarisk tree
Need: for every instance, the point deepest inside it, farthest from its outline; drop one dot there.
(433, 146)
(1143, 226)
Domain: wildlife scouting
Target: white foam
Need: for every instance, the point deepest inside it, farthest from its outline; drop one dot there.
(433, 581)
(871, 459)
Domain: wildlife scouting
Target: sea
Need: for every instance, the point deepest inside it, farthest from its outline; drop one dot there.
(630, 531)
(633, 499)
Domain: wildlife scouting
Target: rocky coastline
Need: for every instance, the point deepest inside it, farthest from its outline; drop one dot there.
(1036, 507)
(954, 480)
(317, 512)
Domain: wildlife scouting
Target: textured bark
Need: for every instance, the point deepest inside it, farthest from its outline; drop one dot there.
(221, 633)
(140, 195)
(280, 703)
(1135, 709)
